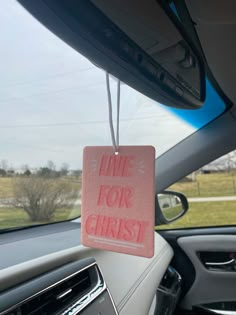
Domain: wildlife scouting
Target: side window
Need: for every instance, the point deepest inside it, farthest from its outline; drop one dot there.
(211, 193)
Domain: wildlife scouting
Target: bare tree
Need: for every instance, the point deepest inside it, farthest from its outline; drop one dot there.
(77, 173)
(51, 165)
(64, 169)
(4, 165)
(41, 197)
(25, 167)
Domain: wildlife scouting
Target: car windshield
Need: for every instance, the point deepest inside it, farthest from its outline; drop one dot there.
(53, 103)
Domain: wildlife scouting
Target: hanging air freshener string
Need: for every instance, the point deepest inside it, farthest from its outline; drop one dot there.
(118, 116)
(115, 140)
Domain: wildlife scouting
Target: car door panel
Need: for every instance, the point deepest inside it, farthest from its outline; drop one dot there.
(209, 285)
(202, 286)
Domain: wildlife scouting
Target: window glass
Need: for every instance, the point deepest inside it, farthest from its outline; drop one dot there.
(211, 192)
(53, 102)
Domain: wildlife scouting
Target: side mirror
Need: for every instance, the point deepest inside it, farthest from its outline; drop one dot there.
(169, 206)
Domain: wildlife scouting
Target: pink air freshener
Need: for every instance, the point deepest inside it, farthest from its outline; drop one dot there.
(118, 199)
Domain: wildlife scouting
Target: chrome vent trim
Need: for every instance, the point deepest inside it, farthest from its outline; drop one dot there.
(78, 304)
(87, 298)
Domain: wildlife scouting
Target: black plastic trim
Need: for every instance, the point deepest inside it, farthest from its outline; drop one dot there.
(183, 265)
(218, 230)
(184, 32)
(61, 18)
(16, 295)
(187, 21)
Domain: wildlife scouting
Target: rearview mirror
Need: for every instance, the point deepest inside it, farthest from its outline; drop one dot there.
(136, 41)
(170, 206)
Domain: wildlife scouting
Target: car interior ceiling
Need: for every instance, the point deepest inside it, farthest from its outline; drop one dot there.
(215, 23)
(38, 265)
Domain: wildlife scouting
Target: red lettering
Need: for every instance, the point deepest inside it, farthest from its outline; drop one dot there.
(129, 226)
(120, 234)
(102, 170)
(142, 228)
(102, 224)
(119, 165)
(128, 230)
(116, 165)
(103, 195)
(115, 196)
(112, 228)
(111, 166)
(90, 225)
(126, 197)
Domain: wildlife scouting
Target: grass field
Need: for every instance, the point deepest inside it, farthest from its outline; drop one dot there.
(202, 214)
(199, 214)
(208, 185)
(6, 187)
(207, 213)
(13, 217)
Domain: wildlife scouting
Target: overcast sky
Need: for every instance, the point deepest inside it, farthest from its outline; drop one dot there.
(53, 101)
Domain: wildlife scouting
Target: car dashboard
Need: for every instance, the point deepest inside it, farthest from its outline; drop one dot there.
(45, 270)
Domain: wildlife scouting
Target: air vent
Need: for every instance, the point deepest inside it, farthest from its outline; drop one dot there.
(77, 289)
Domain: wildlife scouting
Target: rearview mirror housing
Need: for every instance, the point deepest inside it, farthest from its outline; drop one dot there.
(135, 41)
(169, 207)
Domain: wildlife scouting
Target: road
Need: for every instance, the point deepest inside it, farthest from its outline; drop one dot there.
(5, 202)
(209, 199)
